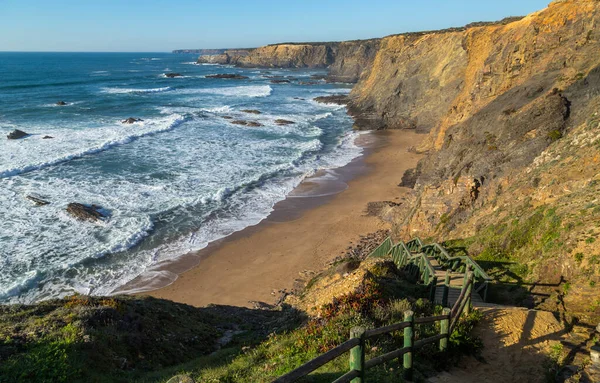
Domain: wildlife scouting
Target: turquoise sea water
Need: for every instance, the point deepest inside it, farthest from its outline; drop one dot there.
(180, 179)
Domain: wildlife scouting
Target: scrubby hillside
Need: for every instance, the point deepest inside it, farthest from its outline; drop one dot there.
(513, 144)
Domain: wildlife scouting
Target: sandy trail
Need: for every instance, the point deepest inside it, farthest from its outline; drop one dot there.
(516, 346)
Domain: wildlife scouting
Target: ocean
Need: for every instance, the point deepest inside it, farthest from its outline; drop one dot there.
(181, 178)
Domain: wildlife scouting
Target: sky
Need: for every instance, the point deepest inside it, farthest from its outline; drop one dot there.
(161, 25)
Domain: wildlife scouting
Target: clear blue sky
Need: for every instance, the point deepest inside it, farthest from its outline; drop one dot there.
(161, 25)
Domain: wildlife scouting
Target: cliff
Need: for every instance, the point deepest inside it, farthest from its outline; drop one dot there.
(346, 61)
(510, 113)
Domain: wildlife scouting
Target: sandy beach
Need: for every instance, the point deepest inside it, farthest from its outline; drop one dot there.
(301, 234)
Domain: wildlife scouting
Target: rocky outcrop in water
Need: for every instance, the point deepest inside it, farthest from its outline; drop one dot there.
(230, 76)
(339, 99)
(16, 134)
(131, 120)
(37, 200)
(247, 123)
(173, 75)
(86, 212)
(61, 103)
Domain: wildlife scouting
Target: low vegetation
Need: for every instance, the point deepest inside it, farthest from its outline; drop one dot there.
(125, 339)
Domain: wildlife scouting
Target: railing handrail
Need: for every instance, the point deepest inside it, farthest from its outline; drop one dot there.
(466, 259)
(319, 361)
(448, 322)
(480, 272)
(334, 353)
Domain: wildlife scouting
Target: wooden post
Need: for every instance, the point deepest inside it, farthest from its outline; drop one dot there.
(426, 275)
(444, 326)
(446, 289)
(357, 354)
(467, 269)
(434, 282)
(409, 336)
(469, 291)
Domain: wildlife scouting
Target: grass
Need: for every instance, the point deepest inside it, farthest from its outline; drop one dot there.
(126, 339)
(510, 250)
(99, 339)
(381, 300)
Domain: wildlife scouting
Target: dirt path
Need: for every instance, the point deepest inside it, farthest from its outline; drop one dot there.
(516, 342)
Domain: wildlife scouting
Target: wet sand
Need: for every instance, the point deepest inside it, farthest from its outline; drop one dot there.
(312, 226)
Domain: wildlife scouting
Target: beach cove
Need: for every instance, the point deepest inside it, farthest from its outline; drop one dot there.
(255, 264)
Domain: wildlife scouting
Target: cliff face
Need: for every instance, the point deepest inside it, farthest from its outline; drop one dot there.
(228, 56)
(346, 61)
(289, 56)
(513, 139)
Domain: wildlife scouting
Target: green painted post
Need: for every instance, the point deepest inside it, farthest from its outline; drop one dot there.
(446, 289)
(444, 327)
(426, 275)
(409, 336)
(357, 354)
(469, 291)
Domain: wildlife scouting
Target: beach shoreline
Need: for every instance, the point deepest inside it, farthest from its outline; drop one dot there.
(312, 226)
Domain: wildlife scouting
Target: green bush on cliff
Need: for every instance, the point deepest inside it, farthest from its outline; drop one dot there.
(99, 339)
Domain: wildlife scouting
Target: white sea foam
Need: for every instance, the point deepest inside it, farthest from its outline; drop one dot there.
(237, 91)
(167, 195)
(132, 90)
(16, 156)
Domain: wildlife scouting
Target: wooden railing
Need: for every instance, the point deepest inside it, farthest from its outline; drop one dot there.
(402, 256)
(460, 263)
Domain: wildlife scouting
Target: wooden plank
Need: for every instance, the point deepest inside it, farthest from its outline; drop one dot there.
(386, 329)
(347, 377)
(431, 339)
(386, 357)
(431, 319)
(317, 362)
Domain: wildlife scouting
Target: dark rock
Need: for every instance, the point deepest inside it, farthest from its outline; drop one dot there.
(409, 178)
(227, 117)
(280, 81)
(281, 121)
(376, 209)
(251, 111)
(227, 76)
(173, 75)
(299, 98)
(339, 99)
(318, 76)
(247, 123)
(47, 137)
(85, 213)
(307, 83)
(37, 200)
(131, 120)
(61, 103)
(16, 134)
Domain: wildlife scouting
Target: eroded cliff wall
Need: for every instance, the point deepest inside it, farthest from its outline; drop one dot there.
(512, 142)
(346, 61)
